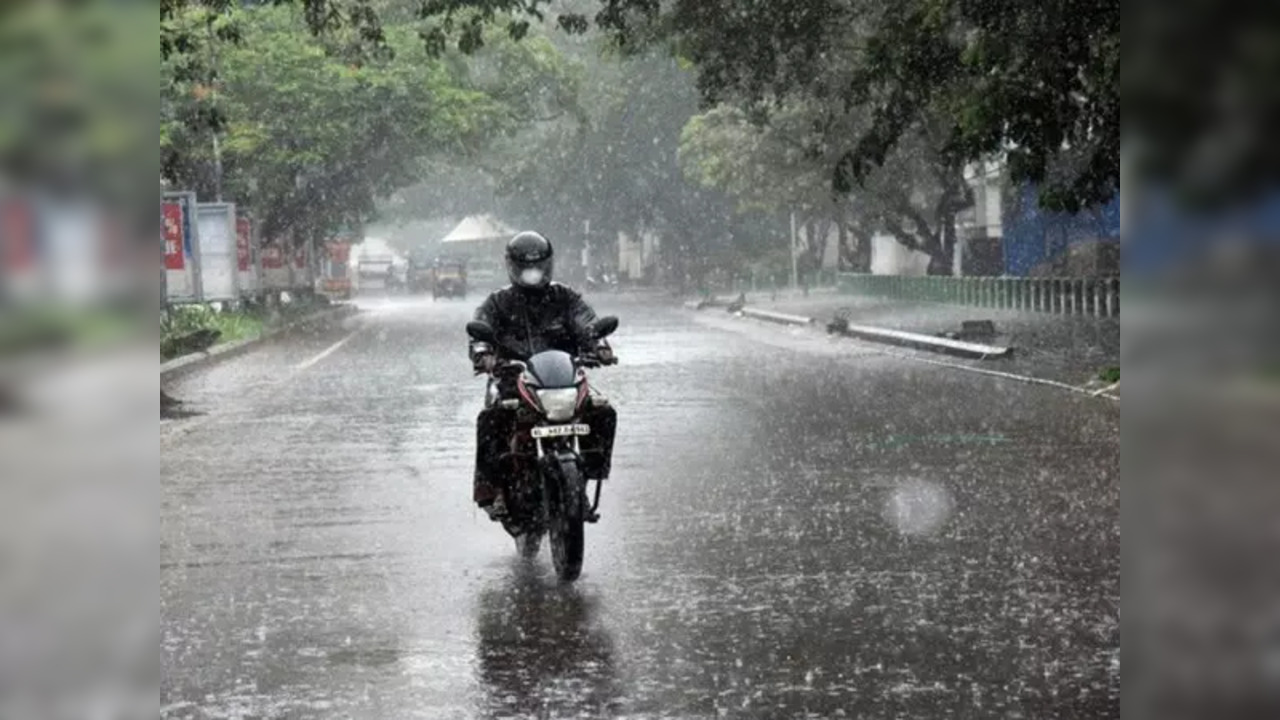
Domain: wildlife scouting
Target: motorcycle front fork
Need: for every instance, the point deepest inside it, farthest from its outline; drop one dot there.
(592, 514)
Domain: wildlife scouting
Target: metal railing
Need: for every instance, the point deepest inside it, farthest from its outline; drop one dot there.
(1092, 296)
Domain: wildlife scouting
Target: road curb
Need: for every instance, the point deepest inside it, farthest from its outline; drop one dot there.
(187, 363)
(898, 338)
(777, 317)
(917, 341)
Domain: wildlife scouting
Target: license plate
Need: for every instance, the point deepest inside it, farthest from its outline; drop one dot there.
(547, 431)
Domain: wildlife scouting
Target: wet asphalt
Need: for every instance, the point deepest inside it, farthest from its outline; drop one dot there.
(813, 531)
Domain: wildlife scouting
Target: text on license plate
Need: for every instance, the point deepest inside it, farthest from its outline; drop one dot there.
(546, 431)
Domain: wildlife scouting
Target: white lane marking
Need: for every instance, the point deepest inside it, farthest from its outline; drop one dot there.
(1004, 375)
(175, 428)
(326, 352)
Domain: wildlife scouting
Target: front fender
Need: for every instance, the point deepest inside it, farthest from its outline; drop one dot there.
(563, 484)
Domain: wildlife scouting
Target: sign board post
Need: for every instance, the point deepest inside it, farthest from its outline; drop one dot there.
(183, 280)
(217, 251)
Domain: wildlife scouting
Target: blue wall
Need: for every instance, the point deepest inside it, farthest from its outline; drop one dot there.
(1164, 235)
(1033, 235)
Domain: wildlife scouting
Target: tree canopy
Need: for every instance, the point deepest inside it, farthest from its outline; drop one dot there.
(1036, 81)
(307, 137)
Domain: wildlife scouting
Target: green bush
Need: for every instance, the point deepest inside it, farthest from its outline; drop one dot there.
(1110, 375)
(52, 327)
(184, 323)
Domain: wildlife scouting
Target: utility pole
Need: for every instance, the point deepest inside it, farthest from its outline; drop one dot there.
(213, 96)
(795, 274)
(217, 168)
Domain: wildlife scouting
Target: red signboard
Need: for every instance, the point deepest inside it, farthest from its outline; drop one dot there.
(16, 232)
(339, 252)
(243, 254)
(171, 232)
(272, 258)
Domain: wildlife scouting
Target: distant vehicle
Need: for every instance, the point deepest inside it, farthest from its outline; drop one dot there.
(376, 271)
(418, 277)
(486, 275)
(449, 278)
(336, 276)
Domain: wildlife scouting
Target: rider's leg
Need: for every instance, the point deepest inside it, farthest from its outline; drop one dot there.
(490, 437)
(598, 446)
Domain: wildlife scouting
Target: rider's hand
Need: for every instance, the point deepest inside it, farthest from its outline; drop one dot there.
(485, 362)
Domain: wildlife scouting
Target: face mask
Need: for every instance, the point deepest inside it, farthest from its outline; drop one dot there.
(531, 276)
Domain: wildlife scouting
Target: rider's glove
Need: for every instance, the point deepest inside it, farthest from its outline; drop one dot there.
(483, 358)
(484, 362)
(605, 353)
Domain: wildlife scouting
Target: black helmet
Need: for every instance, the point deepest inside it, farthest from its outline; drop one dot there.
(529, 261)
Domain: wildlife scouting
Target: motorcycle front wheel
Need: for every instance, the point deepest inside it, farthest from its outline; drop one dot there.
(566, 524)
(528, 544)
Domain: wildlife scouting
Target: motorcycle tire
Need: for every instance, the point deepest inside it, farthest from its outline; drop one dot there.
(566, 523)
(528, 544)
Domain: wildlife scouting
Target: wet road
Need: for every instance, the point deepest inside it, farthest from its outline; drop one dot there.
(788, 533)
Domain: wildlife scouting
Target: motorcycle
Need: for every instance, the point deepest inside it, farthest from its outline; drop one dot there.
(605, 282)
(547, 493)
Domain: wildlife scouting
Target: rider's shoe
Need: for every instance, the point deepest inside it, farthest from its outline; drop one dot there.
(496, 509)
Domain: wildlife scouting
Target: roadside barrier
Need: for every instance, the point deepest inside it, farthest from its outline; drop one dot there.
(1091, 296)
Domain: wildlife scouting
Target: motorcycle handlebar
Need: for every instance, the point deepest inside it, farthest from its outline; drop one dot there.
(518, 366)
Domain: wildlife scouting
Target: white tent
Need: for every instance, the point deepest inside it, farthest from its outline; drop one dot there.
(478, 228)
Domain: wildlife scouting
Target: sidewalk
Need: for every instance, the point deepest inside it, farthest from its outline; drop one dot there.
(1065, 348)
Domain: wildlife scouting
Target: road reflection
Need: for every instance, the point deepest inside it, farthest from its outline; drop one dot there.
(541, 651)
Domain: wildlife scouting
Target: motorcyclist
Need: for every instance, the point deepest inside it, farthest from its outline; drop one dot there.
(531, 315)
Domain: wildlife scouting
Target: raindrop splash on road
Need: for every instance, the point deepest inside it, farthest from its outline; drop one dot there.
(918, 507)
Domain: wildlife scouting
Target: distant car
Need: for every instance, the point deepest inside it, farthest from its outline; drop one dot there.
(449, 279)
(484, 276)
(419, 277)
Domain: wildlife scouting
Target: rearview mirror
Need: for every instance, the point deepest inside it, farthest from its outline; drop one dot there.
(481, 331)
(604, 327)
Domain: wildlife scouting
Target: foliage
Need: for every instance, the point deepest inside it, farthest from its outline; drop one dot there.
(54, 328)
(782, 163)
(1201, 105)
(308, 139)
(1039, 81)
(76, 100)
(179, 324)
(607, 161)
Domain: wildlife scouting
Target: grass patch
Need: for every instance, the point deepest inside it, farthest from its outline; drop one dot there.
(195, 328)
(59, 328)
(1110, 375)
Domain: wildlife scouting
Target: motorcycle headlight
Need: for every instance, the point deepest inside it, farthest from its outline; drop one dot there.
(559, 403)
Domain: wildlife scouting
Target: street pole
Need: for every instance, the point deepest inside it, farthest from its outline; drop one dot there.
(795, 275)
(217, 168)
(586, 248)
(213, 97)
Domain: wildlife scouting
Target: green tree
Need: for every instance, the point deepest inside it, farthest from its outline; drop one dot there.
(76, 92)
(309, 139)
(783, 164)
(1036, 81)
